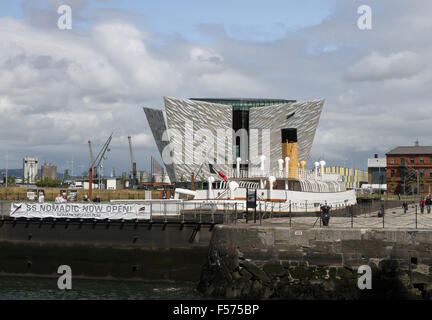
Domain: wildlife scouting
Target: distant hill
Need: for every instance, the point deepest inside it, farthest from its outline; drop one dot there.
(19, 173)
(13, 172)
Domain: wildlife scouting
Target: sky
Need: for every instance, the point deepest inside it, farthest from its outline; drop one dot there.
(60, 88)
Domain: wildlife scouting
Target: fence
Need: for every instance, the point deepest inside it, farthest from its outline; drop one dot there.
(171, 211)
(374, 214)
(20, 194)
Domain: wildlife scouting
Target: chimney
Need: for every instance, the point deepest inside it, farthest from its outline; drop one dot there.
(376, 155)
(290, 149)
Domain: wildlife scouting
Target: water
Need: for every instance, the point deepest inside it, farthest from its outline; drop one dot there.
(28, 288)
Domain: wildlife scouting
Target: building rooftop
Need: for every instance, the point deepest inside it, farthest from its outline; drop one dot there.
(411, 150)
(377, 163)
(240, 103)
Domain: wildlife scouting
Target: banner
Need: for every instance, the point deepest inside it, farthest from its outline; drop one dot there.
(81, 211)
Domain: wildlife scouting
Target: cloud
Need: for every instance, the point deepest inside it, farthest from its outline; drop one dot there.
(60, 88)
(376, 66)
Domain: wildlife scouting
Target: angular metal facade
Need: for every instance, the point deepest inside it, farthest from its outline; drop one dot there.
(193, 123)
(304, 116)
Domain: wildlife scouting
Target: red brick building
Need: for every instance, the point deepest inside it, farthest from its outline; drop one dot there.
(409, 170)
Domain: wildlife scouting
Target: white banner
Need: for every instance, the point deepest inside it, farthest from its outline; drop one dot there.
(80, 211)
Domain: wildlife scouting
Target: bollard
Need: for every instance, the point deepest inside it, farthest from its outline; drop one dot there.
(325, 215)
(290, 212)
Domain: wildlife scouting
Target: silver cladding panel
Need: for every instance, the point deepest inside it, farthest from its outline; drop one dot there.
(305, 119)
(184, 113)
(157, 122)
(181, 113)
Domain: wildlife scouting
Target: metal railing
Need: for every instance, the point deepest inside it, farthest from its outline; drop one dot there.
(376, 214)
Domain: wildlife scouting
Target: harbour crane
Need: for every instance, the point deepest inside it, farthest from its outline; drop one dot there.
(97, 163)
(91, 154)
(134, 181)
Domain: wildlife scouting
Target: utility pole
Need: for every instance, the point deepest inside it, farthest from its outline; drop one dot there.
(133, 163)
(418, 182)
(7, 164)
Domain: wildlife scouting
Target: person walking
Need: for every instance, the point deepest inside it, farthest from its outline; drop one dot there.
(59, 199)
(428, 203)
(422, 205)
(405, 206)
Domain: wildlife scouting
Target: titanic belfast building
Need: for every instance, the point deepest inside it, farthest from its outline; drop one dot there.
(190, 133)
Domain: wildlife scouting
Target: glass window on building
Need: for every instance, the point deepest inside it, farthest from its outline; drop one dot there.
(422, 187)
(411, 160)
(422, 173)
(392, 173)
(421, 160)
(392, 161)
(430, 173)
(402, 161)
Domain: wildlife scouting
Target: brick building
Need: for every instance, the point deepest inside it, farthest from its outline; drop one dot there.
(409, 170)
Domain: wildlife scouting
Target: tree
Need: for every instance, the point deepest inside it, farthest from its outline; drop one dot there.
(48, 182)
(11, 181)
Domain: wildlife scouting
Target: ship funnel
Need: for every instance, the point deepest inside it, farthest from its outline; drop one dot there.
(290, 149)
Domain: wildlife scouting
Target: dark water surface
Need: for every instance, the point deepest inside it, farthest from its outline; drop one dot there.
(29, 288)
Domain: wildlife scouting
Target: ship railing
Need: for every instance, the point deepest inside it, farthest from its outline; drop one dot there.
(292, 174)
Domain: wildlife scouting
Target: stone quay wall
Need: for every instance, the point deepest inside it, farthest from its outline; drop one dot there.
(266, 262)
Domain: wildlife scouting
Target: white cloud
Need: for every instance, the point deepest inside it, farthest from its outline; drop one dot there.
(376, 66)
(64, 87)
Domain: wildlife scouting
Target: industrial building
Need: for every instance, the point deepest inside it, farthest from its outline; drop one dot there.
(30, 170)
(377, 172)
(191, 132)
(353, 178)
(409, 170)
(48, 171)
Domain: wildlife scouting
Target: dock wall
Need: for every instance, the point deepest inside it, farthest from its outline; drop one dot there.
(284, 263)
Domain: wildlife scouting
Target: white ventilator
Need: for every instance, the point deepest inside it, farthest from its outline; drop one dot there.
(287, 160)
(233, 186)
(322, 164)
(280, 163)
(262, 169)
(271, 179)
(210, 186)
(238, 167)
(316, 169)
(263, 159)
